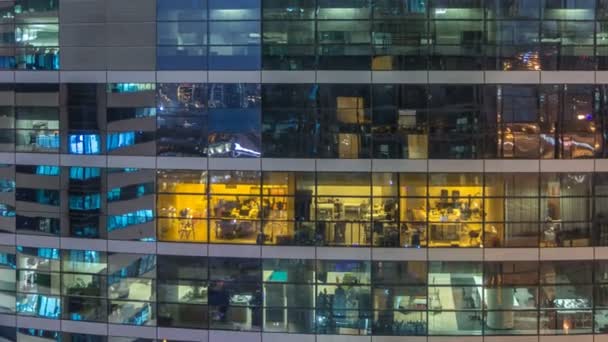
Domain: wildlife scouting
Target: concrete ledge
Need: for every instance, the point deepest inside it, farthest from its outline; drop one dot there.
(344, 165)
(576, 165)
(140, 247)
(340, 76)
(343, 253)
(288, 164)
(456, 77)
(131, 76)
(393, 165)
(444, 165)
(399, 254)
(191, 76)
(499, 165)
(400, 77)
(511, 254)
(38, 241)
(175, 248)
(567, 253)
(282, 337)
(78, 327)
(180, 334)
(234, 76)
(235, 251)
(512, 77)
(38, 323)
(566, 338)
(567, 77)
(456, 254)
(251, 164)
(288, 252)
(280, 76)
(131, 331)
(234, 336)
(343, 338)
(86, 244)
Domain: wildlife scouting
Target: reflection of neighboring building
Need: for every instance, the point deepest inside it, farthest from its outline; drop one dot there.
(131, 203)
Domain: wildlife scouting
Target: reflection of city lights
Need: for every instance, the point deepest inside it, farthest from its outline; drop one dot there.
(566, 326)
(526, 61)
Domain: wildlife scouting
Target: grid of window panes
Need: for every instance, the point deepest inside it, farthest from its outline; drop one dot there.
(316, 34)
(208, 34)
(14, 334)
(548, 209)
(433, 121)
(345, 121)
(435, 35)
(381, 209)
(141, 119)
(85, 285)
(346, 297)
(29, 34)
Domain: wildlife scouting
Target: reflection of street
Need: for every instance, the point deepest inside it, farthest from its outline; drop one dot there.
(234, 145)
(220, 120)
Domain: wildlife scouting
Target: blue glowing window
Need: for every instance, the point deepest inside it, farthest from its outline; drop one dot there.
(137, 268)
(7, 185)
(7, 259)
(125, 170)
(147, 264)
(7, 210)
(91, 257)
(84, 173)
(45, 170)
(118, 140)
(49, 307)
(130, 219)
(130, 192)
(48, 141)
(85, 202)
(130, 87)
(142, 316)
(84, 144)
(48, 253)
(114, 194)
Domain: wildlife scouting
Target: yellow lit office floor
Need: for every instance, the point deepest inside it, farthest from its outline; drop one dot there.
(197, 231)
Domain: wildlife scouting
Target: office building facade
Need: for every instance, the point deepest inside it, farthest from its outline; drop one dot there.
(304, 170)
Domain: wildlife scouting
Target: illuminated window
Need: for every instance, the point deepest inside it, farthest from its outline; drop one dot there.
(84, 144)
(84, 173)
(85, 202)
(130, 87)
(130, 219)
(118, 140)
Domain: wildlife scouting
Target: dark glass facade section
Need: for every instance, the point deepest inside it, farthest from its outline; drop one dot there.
(394, 298)
(342, 121)
(306, 35)
(434, 35)
(212, 35)
(391, 121)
